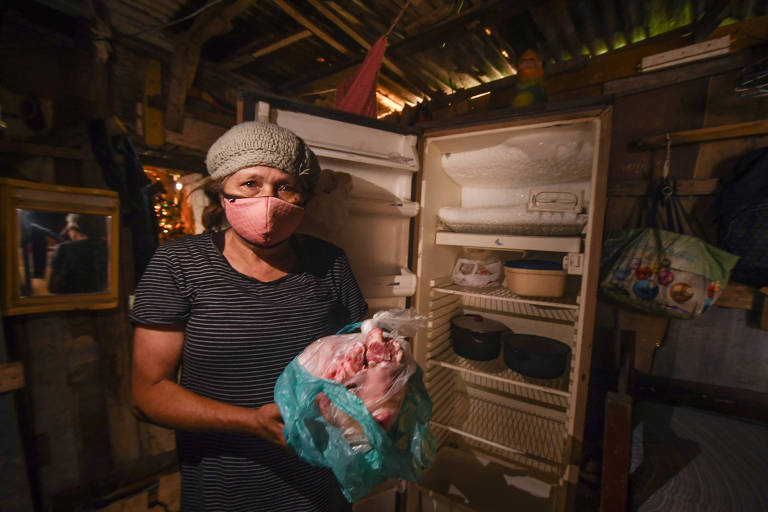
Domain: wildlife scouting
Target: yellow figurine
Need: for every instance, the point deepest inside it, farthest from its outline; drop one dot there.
(530, 81)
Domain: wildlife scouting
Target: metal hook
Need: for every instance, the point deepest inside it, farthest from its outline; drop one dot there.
(665, 169)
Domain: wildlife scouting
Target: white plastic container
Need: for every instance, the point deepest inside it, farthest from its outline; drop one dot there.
(535, 278)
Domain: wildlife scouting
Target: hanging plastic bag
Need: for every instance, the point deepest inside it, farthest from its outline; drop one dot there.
(356, 403)
(664, 271)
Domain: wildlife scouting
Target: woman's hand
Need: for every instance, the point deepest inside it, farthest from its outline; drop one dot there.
(269, 424)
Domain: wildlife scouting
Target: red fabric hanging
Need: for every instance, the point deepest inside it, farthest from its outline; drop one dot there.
(357, 94)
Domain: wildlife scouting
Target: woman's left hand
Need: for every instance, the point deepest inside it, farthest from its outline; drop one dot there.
(268, 423)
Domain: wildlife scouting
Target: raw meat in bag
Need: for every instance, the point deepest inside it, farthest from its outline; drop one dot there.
(356, 403)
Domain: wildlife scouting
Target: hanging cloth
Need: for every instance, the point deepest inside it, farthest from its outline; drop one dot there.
(357, 94)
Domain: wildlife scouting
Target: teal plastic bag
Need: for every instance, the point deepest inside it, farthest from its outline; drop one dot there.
(370, 454)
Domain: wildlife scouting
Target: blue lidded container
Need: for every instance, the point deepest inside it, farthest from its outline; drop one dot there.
(535, 278)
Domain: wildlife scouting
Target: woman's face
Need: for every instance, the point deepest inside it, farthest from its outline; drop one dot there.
(261, 180)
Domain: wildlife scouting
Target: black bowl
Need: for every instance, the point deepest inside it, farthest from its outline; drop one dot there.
(477, 338)
(535, 356)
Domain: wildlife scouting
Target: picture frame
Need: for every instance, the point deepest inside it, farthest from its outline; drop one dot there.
(60, 247)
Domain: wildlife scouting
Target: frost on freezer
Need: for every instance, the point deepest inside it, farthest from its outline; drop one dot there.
(531, 183)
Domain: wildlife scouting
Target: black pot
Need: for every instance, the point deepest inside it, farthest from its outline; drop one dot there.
(535, 356)
(476, 337)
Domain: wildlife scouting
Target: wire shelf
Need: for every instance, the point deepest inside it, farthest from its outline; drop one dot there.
(498, 371)
(563, 309)
(503, 427)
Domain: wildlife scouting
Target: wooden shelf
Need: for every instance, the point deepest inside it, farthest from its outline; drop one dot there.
(712, 133)
(510, 242)
(11, 376)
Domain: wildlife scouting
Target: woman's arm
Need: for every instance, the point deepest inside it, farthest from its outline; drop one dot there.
(159, 399)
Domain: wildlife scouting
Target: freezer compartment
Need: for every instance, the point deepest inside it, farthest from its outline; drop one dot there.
(463, 481)
(533, 180)
(511, 220)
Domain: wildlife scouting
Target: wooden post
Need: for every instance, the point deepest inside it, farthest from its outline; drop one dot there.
(617, 452)
(152, 113)
(11, 377)
(186, 56)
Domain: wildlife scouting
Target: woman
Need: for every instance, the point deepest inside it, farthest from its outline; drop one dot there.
(233, 308)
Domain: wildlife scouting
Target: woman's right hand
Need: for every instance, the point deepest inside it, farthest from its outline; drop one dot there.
(269, 424)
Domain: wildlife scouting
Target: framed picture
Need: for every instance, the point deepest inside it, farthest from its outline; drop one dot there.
(60, 247)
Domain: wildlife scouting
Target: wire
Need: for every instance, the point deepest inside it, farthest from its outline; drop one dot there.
(173, 22)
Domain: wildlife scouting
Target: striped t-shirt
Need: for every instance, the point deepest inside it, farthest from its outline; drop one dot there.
(240, 333)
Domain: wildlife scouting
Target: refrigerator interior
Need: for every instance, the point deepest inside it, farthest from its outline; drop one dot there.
(517, 432)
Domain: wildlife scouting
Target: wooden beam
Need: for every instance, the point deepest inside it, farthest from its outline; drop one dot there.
(617, 452)
(153, 113)
(631, 18)
(585, 14)
(609, 22)
(256, 49)
(386, 62)
(763, 307)
(675, 75)
(737, 296)
(298, 36)
(495, 11)
(26, 148)
(542, 16)
(740, 402)
(563, 19)
(195, 134)
(683, 187)
(11, 377)
(215, 21)
(712, 18)
(727, 131)
(291, 11)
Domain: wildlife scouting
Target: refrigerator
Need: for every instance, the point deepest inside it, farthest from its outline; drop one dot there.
(413, 201)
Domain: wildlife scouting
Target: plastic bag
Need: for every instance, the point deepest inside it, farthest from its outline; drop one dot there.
(363, 415)
(478, 269)
(664, 271)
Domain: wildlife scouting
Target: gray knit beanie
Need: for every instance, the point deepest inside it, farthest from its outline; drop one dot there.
(255, 143)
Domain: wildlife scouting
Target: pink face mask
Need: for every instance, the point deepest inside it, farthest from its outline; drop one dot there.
(265, 220)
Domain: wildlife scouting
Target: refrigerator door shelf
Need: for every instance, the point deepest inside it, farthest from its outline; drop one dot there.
(396, 207)
(402, 285)
(510, 242)
(334, 139)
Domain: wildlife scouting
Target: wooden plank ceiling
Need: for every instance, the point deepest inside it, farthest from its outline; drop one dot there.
(303, 48)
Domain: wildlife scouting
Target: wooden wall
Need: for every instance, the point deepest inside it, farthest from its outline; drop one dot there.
(75, 429)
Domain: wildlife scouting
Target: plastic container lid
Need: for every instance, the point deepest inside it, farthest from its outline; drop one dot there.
(478, 323)
(534, 265)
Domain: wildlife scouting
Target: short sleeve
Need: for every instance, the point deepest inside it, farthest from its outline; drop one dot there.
(161, 297)
(349, 291)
